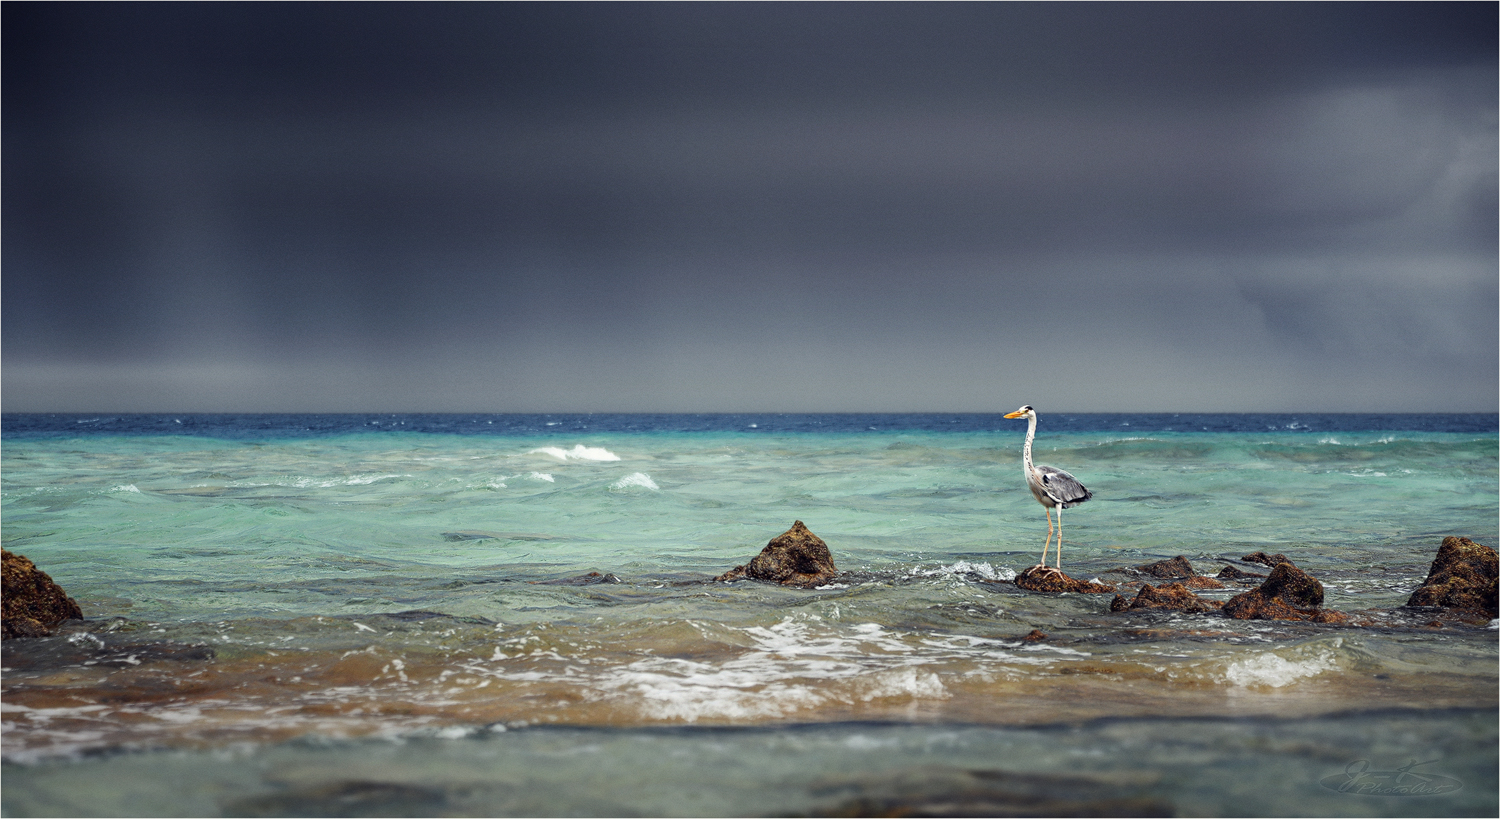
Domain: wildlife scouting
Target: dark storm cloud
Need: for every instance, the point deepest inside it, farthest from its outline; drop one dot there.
(685, 206)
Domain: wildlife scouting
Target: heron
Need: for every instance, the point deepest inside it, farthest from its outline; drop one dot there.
(1050, 486)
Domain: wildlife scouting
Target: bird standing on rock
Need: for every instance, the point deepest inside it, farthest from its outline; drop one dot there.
(1050, 486)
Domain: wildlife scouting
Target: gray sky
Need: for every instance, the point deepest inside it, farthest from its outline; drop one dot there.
(758, 207)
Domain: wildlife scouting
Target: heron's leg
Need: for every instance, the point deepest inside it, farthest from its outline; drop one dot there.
(1059, 538)
(1048, 542)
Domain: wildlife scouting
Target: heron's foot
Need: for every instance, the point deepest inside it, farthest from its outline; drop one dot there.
(1042, 568)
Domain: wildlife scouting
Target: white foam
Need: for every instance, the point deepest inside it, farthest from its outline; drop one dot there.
(1269, 669)
(640, 479)
(964, 567)
(541, 476)
(125, 487)
(578, 453)
(329, 483)
(904, 682)
(790, 668)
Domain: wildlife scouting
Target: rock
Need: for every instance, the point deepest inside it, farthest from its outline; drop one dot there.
(1172, 596)
(1269, 560)
(1231, 573)
(796, 557)
(1462, 576)
(933, 790)
(102, 651)
(589, 579)
(1179, 569)
(1331, 617)
(1287, 594)
(1168, 569)
(33, 604)
(1035, 636)
(1201, 582)
(1043, 580)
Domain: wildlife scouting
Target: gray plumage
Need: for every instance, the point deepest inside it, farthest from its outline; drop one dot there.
(1059, 488)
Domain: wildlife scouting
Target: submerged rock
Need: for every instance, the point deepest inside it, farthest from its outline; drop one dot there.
(1287, 594)
(944, 791)
(33, 604)
(1052, 580)
(1231, 573)
(1172, 596)
(796, 557)
(102, 650)
(1463, 576)
(590, 579)
(1267, 560)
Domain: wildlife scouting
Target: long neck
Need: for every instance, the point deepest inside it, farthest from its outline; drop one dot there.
(1030, 433)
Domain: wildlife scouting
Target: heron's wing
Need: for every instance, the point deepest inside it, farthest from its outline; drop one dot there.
(1062, 487)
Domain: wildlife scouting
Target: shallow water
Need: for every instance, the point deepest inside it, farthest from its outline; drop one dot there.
(305, 615)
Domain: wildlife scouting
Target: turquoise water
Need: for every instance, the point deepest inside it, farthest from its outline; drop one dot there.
(278, 608)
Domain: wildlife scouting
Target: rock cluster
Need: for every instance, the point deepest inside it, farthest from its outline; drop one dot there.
(796, 557)
(1288, 593)
(32, 603)
(1462, 576)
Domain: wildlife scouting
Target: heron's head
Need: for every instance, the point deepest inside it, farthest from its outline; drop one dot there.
(1023, 412)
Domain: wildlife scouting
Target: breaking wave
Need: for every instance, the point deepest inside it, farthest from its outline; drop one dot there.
(578, 453)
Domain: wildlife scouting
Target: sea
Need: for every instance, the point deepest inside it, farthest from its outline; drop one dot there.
(516, 615)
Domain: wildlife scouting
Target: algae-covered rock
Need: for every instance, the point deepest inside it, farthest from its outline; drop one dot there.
(796, 557)
(33, 604)
(1462, 576)
(1233, 573)
(1168, 569)
(1171, 596)
(1042, 579)
(1267, 560)
(1178, 569)
(1287, 594)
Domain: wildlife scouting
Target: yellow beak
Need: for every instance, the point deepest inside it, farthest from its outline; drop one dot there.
(1016, 414)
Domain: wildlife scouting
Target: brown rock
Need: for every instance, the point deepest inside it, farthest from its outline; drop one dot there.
(1045, 580)
(1178, 569)
(1231, 573)
(1201, 582)
(797, 557)
(1269, 560)
(1035, 635)
(1168, 569)
(1288, 594)
(1173, 596)
(1462, 576)
(33, 604)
